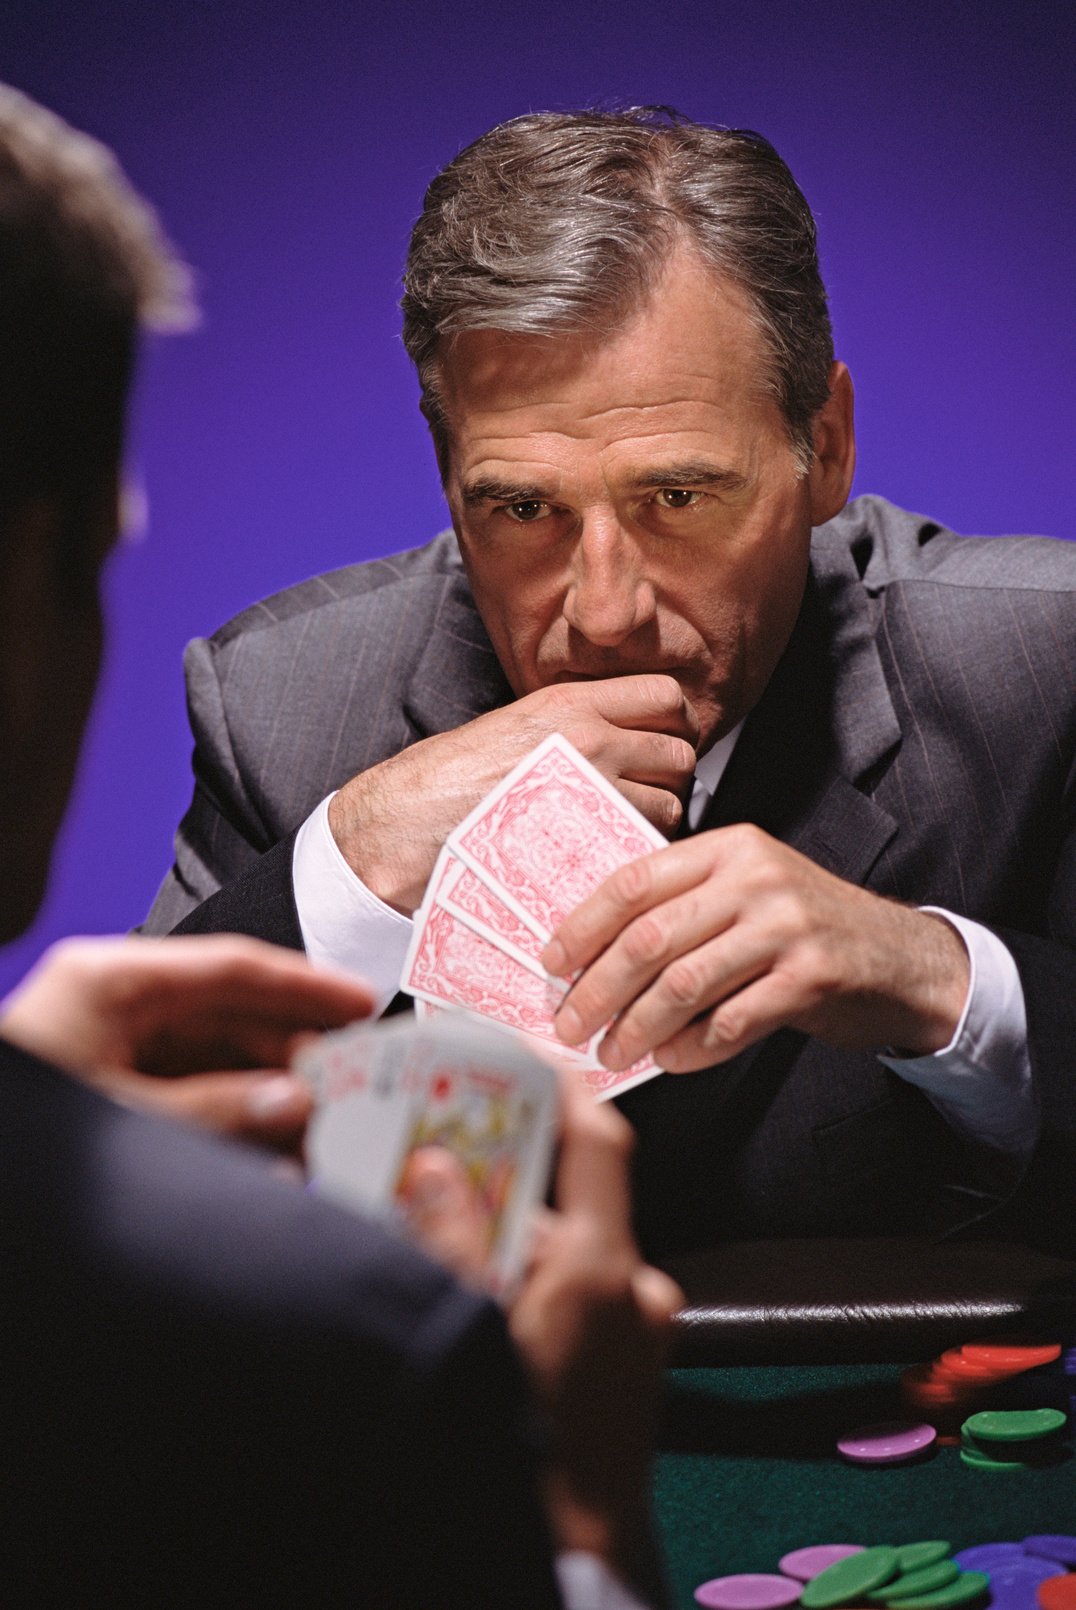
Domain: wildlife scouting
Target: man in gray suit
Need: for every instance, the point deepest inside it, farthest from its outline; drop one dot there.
(841, 716)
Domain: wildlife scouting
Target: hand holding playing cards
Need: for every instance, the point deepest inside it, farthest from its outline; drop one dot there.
(120, 1012)
(390, 821)
(707, 945)
(592, 1322)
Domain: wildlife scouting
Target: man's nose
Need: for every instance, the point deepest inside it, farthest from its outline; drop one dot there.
(609, 595)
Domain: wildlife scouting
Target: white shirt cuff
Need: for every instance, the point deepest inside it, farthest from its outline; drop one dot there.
(342, 921)
(981, 1081)
(586, 1583)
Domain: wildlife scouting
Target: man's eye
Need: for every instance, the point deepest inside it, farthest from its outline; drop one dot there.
(526, 509)
(677, 497)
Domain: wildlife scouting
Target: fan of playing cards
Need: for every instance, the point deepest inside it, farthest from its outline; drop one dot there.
(539, 843)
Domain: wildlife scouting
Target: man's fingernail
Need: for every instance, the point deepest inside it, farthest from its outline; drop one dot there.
(609, 1053)
(569, 1024)
(553, 958)
(274, 1098)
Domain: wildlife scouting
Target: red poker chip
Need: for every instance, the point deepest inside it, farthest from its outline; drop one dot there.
(955, 1365)
(1012, 1354)
(1057, 1592)
(921, 1388)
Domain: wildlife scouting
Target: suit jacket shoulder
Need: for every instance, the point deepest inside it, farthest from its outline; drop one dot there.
(297, 694)
(890, 545)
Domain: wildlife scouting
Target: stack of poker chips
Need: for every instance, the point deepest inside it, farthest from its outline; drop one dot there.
(919, 1576)
(1036, 1574)
(1013, 1439)
(978, 1375)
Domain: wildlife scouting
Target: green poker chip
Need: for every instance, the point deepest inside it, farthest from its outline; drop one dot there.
(969, 1586)
(981, 1461)
(926, 1579)
(911, 1556)
(849, 1579)
(1014, 1425)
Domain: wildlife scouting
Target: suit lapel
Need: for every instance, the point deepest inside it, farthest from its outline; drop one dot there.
(458, 676)
(820, 732)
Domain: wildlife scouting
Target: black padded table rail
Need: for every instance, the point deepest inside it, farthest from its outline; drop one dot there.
(861, 1301)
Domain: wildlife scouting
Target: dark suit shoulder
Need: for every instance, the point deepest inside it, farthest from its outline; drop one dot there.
(205, 1351)
(890, 545)
(137, 1206)
(437, 558)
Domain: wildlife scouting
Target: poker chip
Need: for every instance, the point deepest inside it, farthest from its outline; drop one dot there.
(982, 1461)
(806, 1563)
(927, 1579)
(968, 1586)
(1057, 1593)
(985, 1556)
(912, 1556)
(752, 1590)
(1015, 1583)
(890, 1442)
(1011, 1353)
(849, 1579)
(1052, 1546)
(1014, 1425)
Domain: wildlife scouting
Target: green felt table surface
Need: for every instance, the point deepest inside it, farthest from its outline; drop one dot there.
(748, 1469)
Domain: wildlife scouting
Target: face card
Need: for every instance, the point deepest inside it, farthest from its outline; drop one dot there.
(548, 835)
(387, 1093)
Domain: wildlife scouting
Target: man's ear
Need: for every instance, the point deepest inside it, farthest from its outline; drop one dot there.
(834, 463)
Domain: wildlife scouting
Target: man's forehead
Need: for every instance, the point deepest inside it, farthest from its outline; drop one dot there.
(692, 348)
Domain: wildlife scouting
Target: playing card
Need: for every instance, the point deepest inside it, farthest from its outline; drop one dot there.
(461, 891)
(450, 964)
(548, 835)
(539, 842)
(384, 1093)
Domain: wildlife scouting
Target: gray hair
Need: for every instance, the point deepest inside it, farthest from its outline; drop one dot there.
(562, 222)
(83, 263)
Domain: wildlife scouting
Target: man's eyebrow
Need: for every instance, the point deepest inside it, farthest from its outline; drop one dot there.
(486, 490)
(689, 473)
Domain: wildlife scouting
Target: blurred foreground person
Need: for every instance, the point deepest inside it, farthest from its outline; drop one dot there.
(217, 1389)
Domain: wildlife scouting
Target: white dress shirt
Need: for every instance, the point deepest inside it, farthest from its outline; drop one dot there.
(980, 1082)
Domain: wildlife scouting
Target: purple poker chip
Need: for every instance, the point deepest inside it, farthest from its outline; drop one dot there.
(890, 1442)
(754, 1590)
(1047, 1546)
(988, 1556)
(806, 1563)
(1013, 1582)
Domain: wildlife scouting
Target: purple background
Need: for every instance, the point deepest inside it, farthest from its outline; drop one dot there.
(287, 146)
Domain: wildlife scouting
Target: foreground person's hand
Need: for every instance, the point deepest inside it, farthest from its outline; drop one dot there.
(592, 1322)
(121, 1013)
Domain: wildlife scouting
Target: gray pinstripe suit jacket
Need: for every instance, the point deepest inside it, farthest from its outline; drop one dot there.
(918, 738)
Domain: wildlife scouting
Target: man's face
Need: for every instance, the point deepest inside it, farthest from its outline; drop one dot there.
(633, 503)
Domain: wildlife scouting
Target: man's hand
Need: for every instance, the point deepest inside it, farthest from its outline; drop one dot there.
(701, 949)
(592, 1322)
(122, 1012)
(391, 821)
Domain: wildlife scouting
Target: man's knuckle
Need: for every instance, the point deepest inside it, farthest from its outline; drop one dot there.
(646, 940)
(632, 883)
(684, 981)
(725, 1028)
(662, 693)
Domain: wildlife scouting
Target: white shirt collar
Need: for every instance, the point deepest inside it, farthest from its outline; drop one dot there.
(708, 773)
